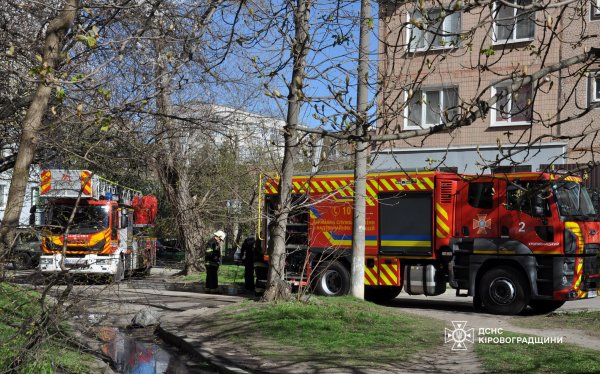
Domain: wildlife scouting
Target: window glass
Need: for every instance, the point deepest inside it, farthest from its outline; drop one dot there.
(436, 31)
(481, 195)
(432, 107)
(530, 197)
(514, 108)
(512, 24)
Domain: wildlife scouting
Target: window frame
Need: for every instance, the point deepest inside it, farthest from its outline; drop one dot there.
(495, 9)
(595, 10)
(450, 38)
(594, 86)
(408, 124)
(508, 121)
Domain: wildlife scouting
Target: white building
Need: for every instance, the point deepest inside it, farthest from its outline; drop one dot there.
(31, 195)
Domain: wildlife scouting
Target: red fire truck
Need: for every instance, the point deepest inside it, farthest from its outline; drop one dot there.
(508, 240)
(91, 225)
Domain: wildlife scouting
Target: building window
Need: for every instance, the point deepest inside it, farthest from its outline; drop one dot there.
(513, 24)
(513, 109)
(427, 108)
(594, 96)
(595, 11)
(437, 30)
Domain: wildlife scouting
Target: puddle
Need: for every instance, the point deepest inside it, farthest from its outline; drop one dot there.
(145, 354)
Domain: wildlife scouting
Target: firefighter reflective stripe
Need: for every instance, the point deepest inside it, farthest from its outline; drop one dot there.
(371, 276)
(442, 229)
(86, 182)
(389, 274)
(46, 182)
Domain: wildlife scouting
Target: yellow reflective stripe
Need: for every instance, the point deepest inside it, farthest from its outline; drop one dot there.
(439, 234)
(442, 225)
(371, 276)
(316, 186)
(441, 210)
(327, 186)
(386, 185)
(406, 243)
(429, 183)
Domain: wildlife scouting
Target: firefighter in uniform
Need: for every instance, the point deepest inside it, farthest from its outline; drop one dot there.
(247, 253)
(261, 269)
(213, 260)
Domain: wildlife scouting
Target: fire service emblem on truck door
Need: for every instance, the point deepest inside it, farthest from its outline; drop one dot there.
(482, 223)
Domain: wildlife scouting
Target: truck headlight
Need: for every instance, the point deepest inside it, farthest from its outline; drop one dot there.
(46, 261)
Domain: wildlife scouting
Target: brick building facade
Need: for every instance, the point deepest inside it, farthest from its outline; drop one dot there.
(439, 60)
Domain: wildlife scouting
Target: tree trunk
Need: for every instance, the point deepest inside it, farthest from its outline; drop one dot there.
(361, 152)
(173, 172)
(32, 123)
(277, 289)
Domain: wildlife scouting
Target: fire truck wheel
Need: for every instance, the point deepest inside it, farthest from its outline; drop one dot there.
(545, 306)
(503, 290)
(333, 279)
(381, 294)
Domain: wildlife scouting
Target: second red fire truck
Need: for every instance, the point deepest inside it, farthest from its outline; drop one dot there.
(93, 226)
(508, 240)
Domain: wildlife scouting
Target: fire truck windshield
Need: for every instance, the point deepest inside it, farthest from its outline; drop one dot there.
(88, 218)
(574, 201)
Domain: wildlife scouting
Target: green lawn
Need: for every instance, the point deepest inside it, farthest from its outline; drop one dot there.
(340, 330)
(19, 309)
(228, 274)
(587, 322)
(537, 358)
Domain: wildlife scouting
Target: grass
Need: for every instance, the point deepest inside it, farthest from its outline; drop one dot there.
(537, 358)
(587, 322)
(19, 309)
(341, 330)
(228, 274)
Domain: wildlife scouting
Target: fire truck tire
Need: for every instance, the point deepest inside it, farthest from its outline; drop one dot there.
(381, 294)
(545, 306)
(21, 261)
(503, 290)
(333, 279)
(120, 274)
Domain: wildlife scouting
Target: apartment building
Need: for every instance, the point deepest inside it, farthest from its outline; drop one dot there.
(438, 60)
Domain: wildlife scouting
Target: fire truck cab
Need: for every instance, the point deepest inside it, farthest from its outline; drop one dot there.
(507, 240)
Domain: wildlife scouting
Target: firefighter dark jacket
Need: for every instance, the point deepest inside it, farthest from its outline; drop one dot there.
(213, 252)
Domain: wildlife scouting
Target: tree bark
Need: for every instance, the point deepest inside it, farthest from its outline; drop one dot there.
(360, 156)
(277, 289)
(54, 42)
(173, 174)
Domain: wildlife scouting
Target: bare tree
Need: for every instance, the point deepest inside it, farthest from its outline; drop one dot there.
(54, 42)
